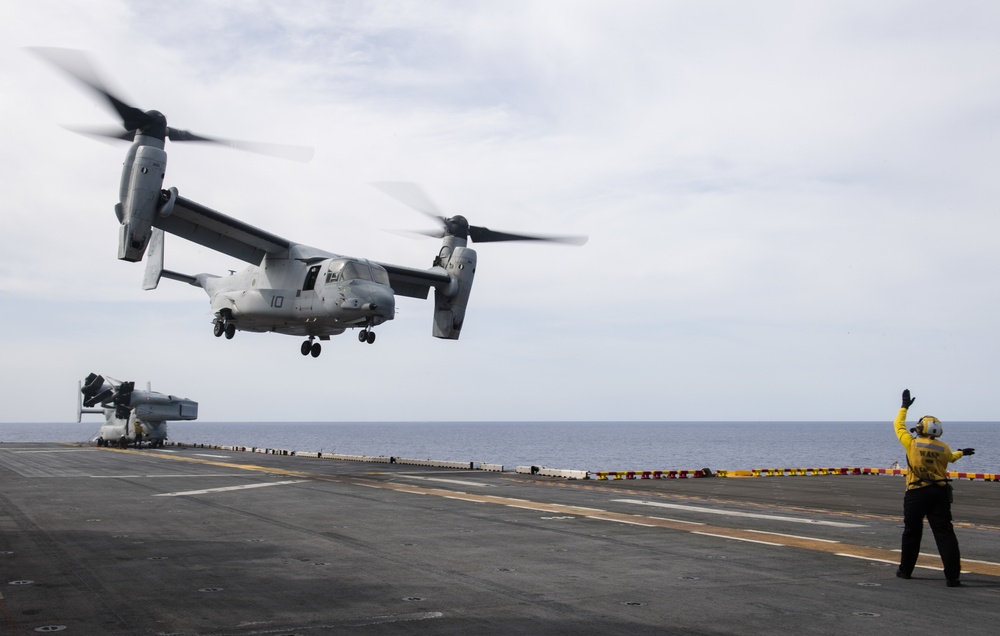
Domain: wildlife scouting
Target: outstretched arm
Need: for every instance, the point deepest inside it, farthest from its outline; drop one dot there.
(962, 452)
(900, 424)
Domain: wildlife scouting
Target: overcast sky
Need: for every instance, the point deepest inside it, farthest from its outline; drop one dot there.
(792, 207)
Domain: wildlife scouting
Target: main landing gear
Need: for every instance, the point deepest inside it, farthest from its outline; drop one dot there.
(224, 324)
(314, 348)
(309, 347)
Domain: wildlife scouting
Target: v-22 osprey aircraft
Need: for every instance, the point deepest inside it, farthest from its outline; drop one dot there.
(288, 287)
(131, 416)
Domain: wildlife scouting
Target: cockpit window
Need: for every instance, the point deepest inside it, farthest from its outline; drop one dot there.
(379, 274)
(353, 270)
(349, 269)
(333, 272)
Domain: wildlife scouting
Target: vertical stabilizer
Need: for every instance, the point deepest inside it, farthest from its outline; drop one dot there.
(154, 260)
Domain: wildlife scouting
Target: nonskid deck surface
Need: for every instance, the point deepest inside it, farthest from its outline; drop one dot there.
(190, 541)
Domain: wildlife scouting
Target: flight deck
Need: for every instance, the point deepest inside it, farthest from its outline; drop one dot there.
(207, 541)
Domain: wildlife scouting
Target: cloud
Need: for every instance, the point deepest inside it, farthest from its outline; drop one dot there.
(791, 208)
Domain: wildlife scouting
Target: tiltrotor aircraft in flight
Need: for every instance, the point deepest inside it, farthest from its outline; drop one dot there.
(288, 287)
(131, 417)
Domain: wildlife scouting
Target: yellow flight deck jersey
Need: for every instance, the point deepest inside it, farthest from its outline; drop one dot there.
(927, 458)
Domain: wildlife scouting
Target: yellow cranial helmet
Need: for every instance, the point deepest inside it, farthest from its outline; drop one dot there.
(930, 426)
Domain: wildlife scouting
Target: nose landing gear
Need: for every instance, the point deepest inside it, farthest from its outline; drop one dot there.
(365, 335)
(309, 347)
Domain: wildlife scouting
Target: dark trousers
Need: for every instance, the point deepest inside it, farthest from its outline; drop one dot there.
(933, 502)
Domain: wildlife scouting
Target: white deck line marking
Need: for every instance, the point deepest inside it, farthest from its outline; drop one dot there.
(449, 481)
(215, 456)
(631, 523)
(690, 523)
(737, 513)
(791, 536)
(926, 567)
(228, 488)
(936, 556)
(725, 536)
(983, 562)
(864, 558)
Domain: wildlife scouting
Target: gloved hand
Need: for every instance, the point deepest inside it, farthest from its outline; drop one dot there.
(907, 400)
(968, 451)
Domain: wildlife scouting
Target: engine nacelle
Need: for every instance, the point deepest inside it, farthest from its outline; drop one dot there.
(450, 303)
(142, 180)
(160, 407)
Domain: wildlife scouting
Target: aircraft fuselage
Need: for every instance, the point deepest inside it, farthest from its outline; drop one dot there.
(318, 297)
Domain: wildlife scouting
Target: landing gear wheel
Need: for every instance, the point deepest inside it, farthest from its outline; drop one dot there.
(316, 349)
(218, 328)
(363, 335)
(230, 331)
(306, 347)
(371, 337)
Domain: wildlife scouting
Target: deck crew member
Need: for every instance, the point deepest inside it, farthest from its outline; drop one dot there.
(928, 493)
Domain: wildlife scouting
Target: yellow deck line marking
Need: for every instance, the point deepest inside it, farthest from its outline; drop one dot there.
(206, 462)
(862, 552)
(807, 543)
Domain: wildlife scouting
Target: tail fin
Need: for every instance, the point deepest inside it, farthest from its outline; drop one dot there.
(154, 260)
(154, 264)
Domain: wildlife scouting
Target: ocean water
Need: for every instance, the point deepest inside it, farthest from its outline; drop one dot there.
(593, 446)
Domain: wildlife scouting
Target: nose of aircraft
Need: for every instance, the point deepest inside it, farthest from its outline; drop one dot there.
(382, 302)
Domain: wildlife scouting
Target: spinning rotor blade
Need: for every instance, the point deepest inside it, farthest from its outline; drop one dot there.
(294, 153)
(302, 154)
(411, 195)
(102, 133)
(486, 235)
(77, 65)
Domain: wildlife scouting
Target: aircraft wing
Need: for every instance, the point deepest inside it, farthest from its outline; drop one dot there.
(222, 233)
(214, 230)
(415, 283)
